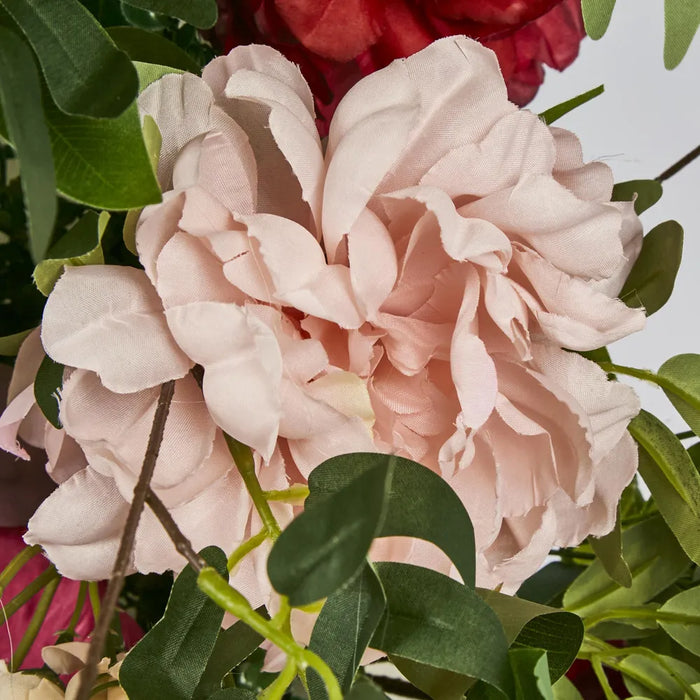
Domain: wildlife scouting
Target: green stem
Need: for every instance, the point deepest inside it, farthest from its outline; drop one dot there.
(94, 593)
(35, 623)
(276, 689)
(243, 458)
(294, 494)
(231, 600)
(603, 680)
(685, 435)
(17, 562)
(43, 579)
(69, 633)
(641, 614)
(245, 548)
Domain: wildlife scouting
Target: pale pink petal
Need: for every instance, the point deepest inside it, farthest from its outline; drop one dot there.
(203, 214)
(29, 357)
(65, 456)
(109, 319)
(504, 302)
(11, 420)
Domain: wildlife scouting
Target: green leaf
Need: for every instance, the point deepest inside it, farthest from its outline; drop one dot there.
(681, 21)
(655, 560)
(434, 620)
(647, 193)
(686, 629)
(438, 683)
(20, 100)
(10, 344)
(420, 504)
(344, 628)
(233, 694)
(531, 625)
(148, 47)
(670, 456)
(596, 16)
(656, 676)
(170, 660)
(549, 116)
(608, 549)
(150, 72)
(531, 674)
(365, 689)
(80, 246)
(653, 275)
(85, 72)
(683, 372)
(564, 689)
(200, 13)
(102, 162)
(47, 389)
(325, 546)
(547, 585)
(233, 646)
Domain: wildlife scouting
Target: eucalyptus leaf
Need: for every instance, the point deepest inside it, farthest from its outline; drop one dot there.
(655, 560)
(233, 694)
(344, 628)
(549, 116)
(564, 689)
(650, 282)
(670, 456)
(547, 585)
(20, 100)
(200, 13)
(656, 676)
(683, 372)
(365, 689)
(531, 674)
(608, 549)
(438, 683)
(47, 389)
(148, 47)
(434, 620)
(84, 71)
(169, 661)
(325, 546)
(681, 21)
(686, 629)
(420, 504)
(645, 193)
(10, 344)
(596, 16)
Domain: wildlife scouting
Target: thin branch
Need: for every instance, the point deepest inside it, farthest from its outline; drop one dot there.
(676, 167)
(126, 546)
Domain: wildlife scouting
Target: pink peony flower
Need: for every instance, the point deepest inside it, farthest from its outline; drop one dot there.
(416, 288)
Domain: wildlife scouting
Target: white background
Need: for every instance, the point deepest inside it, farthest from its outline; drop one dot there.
(645, 121)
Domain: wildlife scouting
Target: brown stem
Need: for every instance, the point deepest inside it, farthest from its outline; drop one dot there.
(676, 167)
(126, 546)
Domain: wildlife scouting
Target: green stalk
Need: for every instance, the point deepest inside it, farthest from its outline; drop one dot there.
(68, 634)
(641, 614)
(94, 593)
(603, 680)
(44, 578)
(294, 494)
(16, 563)
(245, 548)
(276, 689)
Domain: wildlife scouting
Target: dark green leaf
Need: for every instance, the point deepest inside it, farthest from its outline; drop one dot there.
(147, 47)
(438, 683)
(657, 678)
(233, 694)
(608, 549)
(85, 72)
(200, 13)
(683, 372)
(597, 355)
(549, 116)
(653, 275)
(531, 625)
(365, 689)
(647, 192)
(596, 16)
(327, 545)
(531, 674)
(437, 621)
(675, 511)
(686, 629)
(655, 560)
(344, 628)
(681, 21)
(420, 504)
(20, 100)
(670, 456)
(47, 389)
(102, 162)
(169, 661)
(548, 584)
(10, 344)
(233, 645)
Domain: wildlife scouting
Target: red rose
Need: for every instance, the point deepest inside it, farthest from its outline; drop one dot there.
(336, 42)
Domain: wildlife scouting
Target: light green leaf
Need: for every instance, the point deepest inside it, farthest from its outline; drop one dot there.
(686, 629)
(683, 372)
(675, 511)
(647, 193)
(79, 246)
(85, 72)
(344, 628)
(564, 689)
(325, 546)
(549, 116)
(438, 683)
(150, 72)
(200, 13)
(170, 660)
(20, 101)
(653, 275)
(596, 16)
(420, 504)
(681, 21)
(670, 456)
(47, 389)
(531, 674)
(149, 47)
(10, 344)
(657, 677)
(365, 689)
(608, 549)
(434, 620)
(655, 560)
